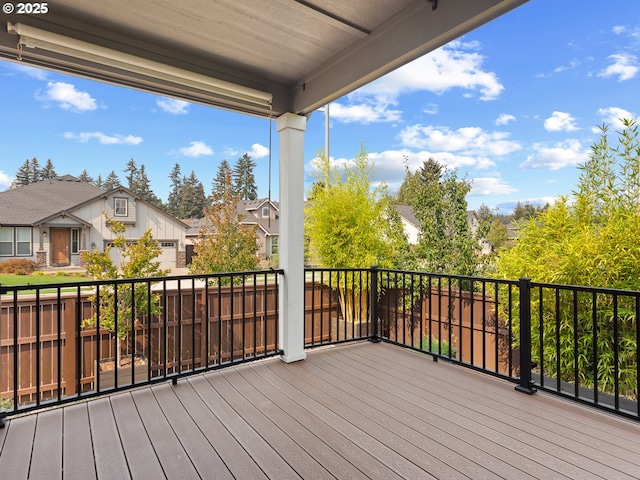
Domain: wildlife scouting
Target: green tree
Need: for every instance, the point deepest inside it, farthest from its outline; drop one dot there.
(48, 171)
(85, 177)
(224, 244)
(98, 182)
(192, 200)
(112, 181)
(591, 240)
(408, 192)
(446, 242)
(175, 195)
(244, 182)
(36, 172)
(119, 307)
(350, 224)
(23, 175)
(219, 182)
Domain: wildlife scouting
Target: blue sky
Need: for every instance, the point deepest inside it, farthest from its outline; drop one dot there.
(513, 105)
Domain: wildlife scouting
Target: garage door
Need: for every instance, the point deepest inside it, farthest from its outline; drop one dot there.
(168, 255)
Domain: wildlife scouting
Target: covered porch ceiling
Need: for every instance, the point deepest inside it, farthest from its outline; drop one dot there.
(260, 57)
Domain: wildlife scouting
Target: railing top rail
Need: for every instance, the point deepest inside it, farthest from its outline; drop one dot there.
(584, 288)
(4, 289)
(451, 276)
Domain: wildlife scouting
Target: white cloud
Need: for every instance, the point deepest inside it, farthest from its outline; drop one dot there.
(612, 116)
(196, 149)
(625, 67)
(562, 154)
(455, 65)
(560, 121)
(485, 186)
(31, 71)
(104, 139)
(173, 106)
(467, 140)
(505, 119)
(67, 97)
(5, 181)
(431, 109)
(572, 64)
(619, 29)
(374, 109)
(258, 151)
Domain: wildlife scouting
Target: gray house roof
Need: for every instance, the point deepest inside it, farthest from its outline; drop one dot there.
(33, 204)
(269, 226)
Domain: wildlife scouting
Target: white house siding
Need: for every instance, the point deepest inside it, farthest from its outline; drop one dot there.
(164, 228)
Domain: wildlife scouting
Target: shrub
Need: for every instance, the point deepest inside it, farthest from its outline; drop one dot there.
(18, 266)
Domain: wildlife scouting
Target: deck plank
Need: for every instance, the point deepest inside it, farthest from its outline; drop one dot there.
(462, 446)
(359, 458)
(76, 443)
(390, 447)
(352, 411)
(202, 455)
(46, 458)
(237, 460)
(271, 463)
(16, 451)
(567, 455)
(141, 458)
(174, 460)
(110, 460)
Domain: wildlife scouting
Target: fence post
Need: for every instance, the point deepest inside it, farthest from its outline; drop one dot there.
(373, 301)
(526, 384)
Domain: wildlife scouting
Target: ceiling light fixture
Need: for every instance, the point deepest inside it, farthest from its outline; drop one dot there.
(31, 37)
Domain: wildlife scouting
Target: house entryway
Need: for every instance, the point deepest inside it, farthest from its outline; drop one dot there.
(60, 247)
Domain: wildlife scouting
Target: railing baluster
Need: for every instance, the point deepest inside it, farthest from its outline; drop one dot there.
(526, 385)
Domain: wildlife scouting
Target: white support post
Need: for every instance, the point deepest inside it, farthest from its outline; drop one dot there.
(291, 128)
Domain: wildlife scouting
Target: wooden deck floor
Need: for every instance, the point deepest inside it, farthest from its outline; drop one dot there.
(354, 411)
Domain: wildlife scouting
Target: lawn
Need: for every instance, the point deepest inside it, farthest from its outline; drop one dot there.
(8, 280)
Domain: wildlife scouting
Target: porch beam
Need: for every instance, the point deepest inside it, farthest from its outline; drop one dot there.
(291, 128)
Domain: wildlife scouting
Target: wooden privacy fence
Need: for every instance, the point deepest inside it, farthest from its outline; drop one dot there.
(43, 346)
(465, 321)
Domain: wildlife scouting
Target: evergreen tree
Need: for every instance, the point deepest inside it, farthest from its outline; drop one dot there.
(112, 181)
(23, 175)
(36, 172)
(244, 182)
(132, 175)
(143, 186)
(85, 177)
(219, 182)
(193, 200)
(48, 171)
(98, 182)
(175, 195)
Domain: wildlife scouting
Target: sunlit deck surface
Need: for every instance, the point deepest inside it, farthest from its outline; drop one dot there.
(353, 411)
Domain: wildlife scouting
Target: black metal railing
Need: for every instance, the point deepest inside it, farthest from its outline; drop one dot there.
(62, 342)
(574, 341)
(338, 305)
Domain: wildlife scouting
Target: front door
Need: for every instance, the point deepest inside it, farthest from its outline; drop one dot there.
(60, 247)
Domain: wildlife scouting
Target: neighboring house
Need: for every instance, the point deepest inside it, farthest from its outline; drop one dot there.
(412, 226)
(262, 213)
(53, 221)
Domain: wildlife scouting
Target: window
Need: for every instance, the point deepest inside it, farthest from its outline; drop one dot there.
(75, 240)
(120, 207)
(15, 241)
(265, 212)
(274, 245)
(6, 241)
(23, 240)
